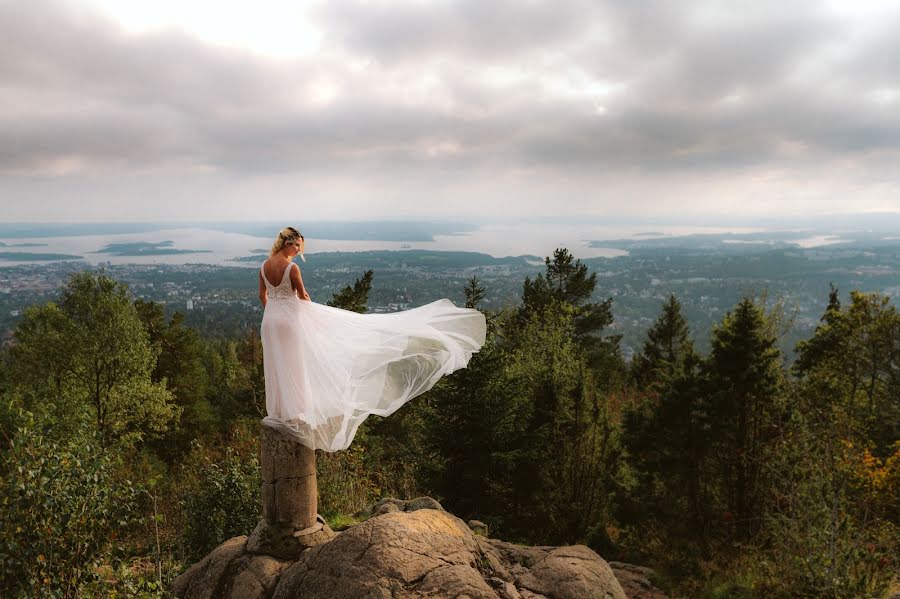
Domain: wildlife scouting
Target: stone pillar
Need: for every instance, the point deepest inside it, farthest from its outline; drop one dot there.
(290, 523)
(289, 492)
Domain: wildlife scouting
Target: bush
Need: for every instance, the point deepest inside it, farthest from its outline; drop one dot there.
(222, 501)
(62, 506)
(345, 484)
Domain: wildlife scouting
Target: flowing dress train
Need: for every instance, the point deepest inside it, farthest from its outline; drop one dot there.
(327, 369)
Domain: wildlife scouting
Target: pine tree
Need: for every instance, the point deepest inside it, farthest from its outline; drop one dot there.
(853, 361)
(664, 435)
(668, 347)
(474, 292)
(742, 410)
(180, 366)
(566, 281)
(354, 297)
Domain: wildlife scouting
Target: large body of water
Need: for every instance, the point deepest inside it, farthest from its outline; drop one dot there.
(224, 247)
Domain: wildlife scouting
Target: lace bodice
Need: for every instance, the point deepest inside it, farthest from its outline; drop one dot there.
(283, 289)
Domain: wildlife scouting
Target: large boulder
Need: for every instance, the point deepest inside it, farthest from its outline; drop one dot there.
(406, 551)
(401, 555)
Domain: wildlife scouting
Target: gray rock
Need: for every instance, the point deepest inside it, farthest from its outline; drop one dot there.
(504, 589)
(573, 572)
(402, 505)
(251, 577)
(422, 503)
(377, 506)
(381, 555)
(203, 580)
(635, 580)
(455, 581)
(479, 527)
(386, 508)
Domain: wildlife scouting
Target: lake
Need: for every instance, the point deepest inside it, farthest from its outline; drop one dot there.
(222, 248)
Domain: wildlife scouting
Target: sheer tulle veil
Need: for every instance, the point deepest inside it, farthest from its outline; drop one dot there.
(328, 369)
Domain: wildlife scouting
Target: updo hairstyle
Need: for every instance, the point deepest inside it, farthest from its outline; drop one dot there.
(287, 236)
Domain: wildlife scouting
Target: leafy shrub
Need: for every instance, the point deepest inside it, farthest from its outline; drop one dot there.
(62, 505)
(222, 500)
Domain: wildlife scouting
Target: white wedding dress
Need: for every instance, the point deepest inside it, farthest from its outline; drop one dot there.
(327, 369)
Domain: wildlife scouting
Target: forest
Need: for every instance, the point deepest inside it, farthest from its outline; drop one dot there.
(129, 441)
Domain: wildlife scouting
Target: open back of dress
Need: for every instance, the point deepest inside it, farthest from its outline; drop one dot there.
(327, 369)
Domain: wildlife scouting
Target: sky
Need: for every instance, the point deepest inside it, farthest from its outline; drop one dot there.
(128, 110)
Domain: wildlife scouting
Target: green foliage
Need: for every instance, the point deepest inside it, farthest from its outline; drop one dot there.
(569, 461)
(732, 477)
(180, 366)
(667, 441)
(827, 532)
(62, 507)
(852, 361)
(742, 412)
(566, 282)
(345, 481)
(833, 526)
(237, 384)
(668, 348)
(354, 297)
(41, 375)
(474, 292)
(524, 437)
(122, 581)
(473, 423)
(91, 357)
(222, 500)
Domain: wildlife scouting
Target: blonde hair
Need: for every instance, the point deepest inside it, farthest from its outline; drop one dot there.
(287, 236)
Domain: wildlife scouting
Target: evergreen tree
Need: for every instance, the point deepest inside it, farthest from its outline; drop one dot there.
(180, 366)
(853, 359)
(474, 292)
(742, 410)
(665, 438)
(566, 281)
(668, 347)
(472, 422)
(354, 297)
(569, 458)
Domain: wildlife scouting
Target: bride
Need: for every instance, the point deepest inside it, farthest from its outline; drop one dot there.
(327, 369)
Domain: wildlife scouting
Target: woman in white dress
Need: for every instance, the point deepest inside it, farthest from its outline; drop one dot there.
(327, 369)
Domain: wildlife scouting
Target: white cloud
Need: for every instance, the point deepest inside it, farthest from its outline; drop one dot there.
(382, 109)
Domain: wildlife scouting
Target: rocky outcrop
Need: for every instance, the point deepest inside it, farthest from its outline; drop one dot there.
(404, 554)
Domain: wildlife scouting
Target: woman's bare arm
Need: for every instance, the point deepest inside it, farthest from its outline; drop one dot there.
(297, 283)
(263, 292)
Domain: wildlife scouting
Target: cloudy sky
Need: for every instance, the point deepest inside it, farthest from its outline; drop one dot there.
(473, 109)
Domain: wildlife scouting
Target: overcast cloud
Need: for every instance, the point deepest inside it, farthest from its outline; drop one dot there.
(468, 109)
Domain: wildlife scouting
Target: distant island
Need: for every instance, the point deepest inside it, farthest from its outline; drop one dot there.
(22, 245)
(146, 248)
(738, 242)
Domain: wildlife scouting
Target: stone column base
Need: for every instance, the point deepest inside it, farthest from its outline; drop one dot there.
(286, 542)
